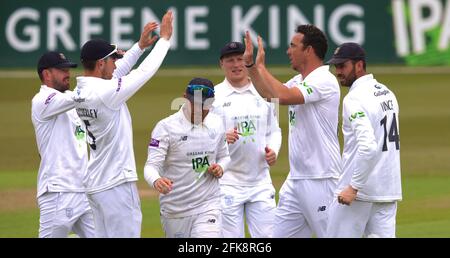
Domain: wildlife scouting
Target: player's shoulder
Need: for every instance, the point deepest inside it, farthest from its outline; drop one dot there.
(294, 81)
(323, 76)
(214, 120)
(172, 121)
(45, 96)
(220, 87)
(214, 116)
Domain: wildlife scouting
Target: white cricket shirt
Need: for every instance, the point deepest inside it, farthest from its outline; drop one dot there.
(313, 142)
(183, 152)
(371, 156)
(61, 142)
(101, 105)
(257, 123)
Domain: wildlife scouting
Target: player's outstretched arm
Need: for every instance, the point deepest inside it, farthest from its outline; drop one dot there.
(128, 85)
(130, 57)
(265, 83)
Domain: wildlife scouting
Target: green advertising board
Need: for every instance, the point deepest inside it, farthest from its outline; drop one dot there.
(413, 32)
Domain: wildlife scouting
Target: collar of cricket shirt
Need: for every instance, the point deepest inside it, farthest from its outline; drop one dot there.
(317, 71)
(188, 124)
(361, 81)
(248, 87)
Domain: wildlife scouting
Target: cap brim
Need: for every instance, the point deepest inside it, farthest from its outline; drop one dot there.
(66, 65)
(117, 56)
(337, 60)
(234, 52)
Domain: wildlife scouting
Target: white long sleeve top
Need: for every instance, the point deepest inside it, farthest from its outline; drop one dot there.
(182, 152)
(371, 155)
(257, 122)
(101, 104)
(61, 141)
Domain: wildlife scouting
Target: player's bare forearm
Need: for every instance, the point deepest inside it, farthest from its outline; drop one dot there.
(259, 81)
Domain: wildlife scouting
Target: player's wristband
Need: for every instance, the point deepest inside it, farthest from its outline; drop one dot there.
(248, 66)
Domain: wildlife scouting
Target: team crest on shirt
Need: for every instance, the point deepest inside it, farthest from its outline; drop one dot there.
(228, 200)
(212, 134)
(69, 212)
(78, 98)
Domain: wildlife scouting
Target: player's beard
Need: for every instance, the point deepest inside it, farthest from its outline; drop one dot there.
(61, 85)
(349, 79)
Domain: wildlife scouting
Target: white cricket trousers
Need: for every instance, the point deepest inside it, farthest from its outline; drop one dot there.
(203, 225)
(258, 204)
(117, 212)
(362, 219)
(62, 213)
(303, 206)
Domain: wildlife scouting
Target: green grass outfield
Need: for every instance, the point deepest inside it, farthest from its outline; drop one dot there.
(423, 95)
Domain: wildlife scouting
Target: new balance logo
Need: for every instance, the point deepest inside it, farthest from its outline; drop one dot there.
(183, 138)
(226, 104)
(212, 221)
(321, 208)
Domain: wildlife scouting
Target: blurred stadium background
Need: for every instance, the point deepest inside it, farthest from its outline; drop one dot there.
(408, 52)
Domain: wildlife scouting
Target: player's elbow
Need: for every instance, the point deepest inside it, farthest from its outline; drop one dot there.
(368, 150)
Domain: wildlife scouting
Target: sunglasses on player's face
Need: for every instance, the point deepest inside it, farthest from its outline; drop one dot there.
(113, 54)
(207, 92)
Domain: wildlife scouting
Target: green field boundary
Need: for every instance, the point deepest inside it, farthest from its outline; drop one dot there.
(215, 71)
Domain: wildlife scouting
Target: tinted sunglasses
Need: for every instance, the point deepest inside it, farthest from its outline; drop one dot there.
(113, 53)
(207, 92)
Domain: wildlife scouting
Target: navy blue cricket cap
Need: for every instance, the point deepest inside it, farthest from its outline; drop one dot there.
(200, 84)
(96, 49)
(347, 51)
(53, 59)
(232, 48)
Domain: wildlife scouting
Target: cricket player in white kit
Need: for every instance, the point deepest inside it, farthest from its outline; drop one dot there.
(61, 141)
(254, 139)
(314, 158)
(187, 154)
(101, 97)
(370, 186)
